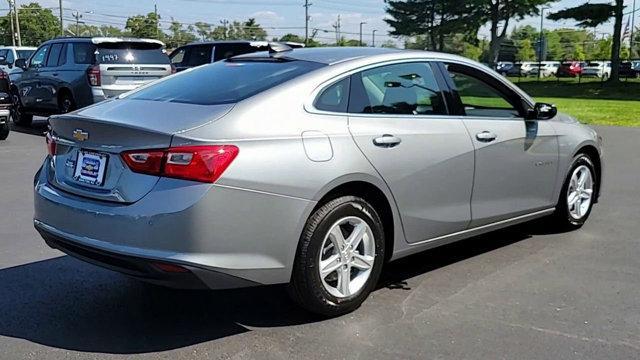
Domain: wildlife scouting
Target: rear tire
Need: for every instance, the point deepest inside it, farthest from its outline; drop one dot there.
(327, 256)
(4, 130)
(66, 103)
(572, 210)
(17, 111)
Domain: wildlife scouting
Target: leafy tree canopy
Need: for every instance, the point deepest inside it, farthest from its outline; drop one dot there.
(587, 15)
(36, 25)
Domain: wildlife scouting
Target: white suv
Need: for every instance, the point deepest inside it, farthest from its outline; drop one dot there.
(601, 69)
(11, 54)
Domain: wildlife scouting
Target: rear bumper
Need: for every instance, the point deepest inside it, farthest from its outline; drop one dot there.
(4, 116)
(145, 269)
(219, 232)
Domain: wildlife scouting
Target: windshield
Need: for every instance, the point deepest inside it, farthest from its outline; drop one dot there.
(225, 81)
(131, 53)
(24, 54)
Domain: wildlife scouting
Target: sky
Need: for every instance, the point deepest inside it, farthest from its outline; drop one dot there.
(278, 16)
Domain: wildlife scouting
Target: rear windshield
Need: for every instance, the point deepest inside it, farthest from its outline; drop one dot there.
(224, 82)
(131, 53)
(24, 54)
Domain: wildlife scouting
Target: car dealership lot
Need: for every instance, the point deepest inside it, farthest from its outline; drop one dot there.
(517, 293)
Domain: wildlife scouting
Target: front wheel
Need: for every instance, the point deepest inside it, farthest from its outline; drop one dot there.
(17, 112)
(339, 257)
(578, 194)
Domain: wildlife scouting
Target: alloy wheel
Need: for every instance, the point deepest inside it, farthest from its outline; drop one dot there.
(347, 257)
(580, 192)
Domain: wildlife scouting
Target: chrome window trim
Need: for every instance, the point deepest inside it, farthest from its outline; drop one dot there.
(311, 109)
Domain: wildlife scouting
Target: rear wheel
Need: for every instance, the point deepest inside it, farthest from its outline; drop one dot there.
(577, 196)
(4, 130)
(66, 103)
(17, 111)
(339, 257)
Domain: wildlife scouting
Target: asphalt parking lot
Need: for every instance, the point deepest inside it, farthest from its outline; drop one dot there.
(520, 293)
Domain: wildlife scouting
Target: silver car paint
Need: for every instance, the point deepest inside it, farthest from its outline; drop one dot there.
(249, 222)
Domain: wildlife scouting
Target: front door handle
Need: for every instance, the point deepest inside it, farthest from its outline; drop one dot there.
(486, 136)
(386, 141)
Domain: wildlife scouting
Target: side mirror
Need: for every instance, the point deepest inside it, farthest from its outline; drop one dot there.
(21, 63)
(542, 111)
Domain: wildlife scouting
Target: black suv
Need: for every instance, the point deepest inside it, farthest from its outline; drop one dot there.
(200, 53)
(68, 73)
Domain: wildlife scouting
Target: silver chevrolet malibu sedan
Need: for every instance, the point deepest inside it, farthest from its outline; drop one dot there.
(311, 167)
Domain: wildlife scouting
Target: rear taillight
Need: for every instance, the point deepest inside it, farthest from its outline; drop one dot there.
(51, 144)
(3, 75)
(204, 163)
(93, 75)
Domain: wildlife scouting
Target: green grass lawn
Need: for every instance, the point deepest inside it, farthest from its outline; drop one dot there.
(591, 102)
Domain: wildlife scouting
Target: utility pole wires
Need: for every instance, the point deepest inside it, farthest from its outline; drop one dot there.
(336, 26)
(13, 28)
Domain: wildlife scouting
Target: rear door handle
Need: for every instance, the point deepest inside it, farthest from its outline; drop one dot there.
(386, 141)
(486, 136)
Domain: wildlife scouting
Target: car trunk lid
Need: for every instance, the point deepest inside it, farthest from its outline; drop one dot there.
(89, 142)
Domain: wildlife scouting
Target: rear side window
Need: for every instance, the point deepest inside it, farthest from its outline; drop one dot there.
(335, 98)
(224, 82)
(83, 53)
(131, 53)
(54, 55)
(225, 51)
(197, 55)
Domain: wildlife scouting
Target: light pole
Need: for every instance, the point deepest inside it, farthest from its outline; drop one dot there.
(373, 38)
(76, 15)
(13, 28)
(361, 23)
(540, 45)
(15, 11)
(61, 21)
(633, 25)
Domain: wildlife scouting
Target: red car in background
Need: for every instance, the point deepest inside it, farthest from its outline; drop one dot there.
(570, 68)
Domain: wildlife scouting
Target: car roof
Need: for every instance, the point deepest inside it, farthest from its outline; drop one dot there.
(326, 55)
(104, 39)
(19, 47)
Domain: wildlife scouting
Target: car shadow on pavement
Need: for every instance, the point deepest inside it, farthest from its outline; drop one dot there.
(65, 303)
(38, 127)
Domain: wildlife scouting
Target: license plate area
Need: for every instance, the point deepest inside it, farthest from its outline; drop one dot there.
(90, 167)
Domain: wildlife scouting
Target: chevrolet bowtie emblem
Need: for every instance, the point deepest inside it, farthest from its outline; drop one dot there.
(80, 135)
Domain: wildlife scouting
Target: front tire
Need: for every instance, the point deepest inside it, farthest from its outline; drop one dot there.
(66, 103)
(339, 258)
(578, 194)
(17, 111)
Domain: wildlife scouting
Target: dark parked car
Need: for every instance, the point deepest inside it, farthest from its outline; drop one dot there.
(629, 69)
(68, 73)
(200, 53)
(570, 68)
(5, 104)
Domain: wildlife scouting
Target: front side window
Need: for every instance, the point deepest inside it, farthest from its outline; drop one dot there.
(177, 57)
(478, 96)
(408, 89)
(335, 98)
(39, 57)
(225, 82)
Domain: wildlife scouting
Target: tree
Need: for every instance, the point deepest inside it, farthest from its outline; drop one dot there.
(592, 15)
(248, 30)
(144, 26)
(432, 20)
(178, 35)
(525, 51)
(203, 30)
(298, 39)
(36, 25)
(498, 14)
